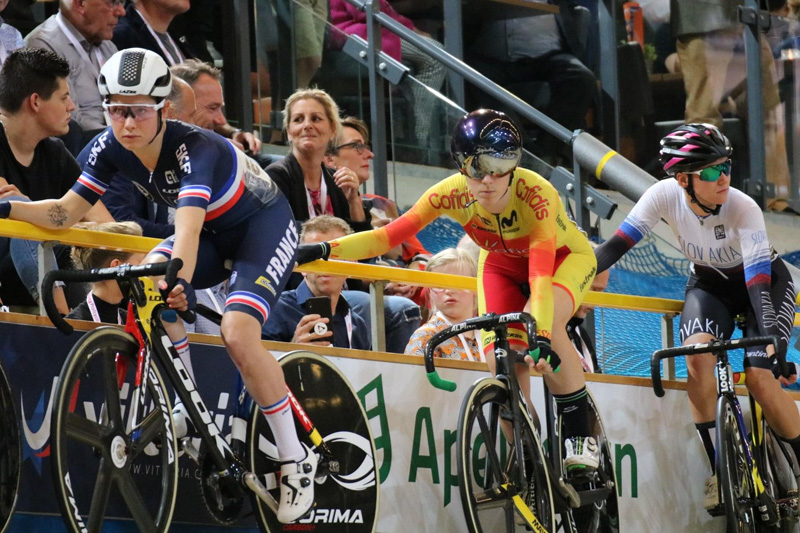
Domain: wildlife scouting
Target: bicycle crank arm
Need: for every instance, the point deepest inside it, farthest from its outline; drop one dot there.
(255, 485)
(569, 492)
(594, 495)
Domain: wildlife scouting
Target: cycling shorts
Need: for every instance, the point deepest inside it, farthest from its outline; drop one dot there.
(712, 307)
(260, 252)
(503, 287)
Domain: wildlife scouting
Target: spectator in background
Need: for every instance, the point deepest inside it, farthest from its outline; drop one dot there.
(80, 33)
(450, 306)
(516, 44)
(103, 302)
(35, 106)
(145, 25)
(311, 122)
(19, 14)
(351, 149)
(708, 34)
(353, 21)
(205, 82)
(583, 341)
(310, 20)
(289, 321)
(10, 37)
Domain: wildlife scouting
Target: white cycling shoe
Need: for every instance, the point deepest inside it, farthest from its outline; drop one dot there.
(297, 488)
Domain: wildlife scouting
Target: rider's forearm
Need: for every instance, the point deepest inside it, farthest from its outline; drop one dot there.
(610, 252)
(50, 214)
(188, 223)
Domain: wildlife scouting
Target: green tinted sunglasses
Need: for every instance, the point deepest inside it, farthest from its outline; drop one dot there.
(713, 173)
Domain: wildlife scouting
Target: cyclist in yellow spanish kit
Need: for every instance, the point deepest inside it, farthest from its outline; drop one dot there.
(526, 238)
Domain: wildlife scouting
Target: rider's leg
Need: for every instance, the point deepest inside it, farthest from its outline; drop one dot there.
(568, 385)
(701, 390)
(779, 408)
(263, 377)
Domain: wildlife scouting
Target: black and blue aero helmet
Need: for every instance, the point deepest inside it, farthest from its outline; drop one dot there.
(486, 142)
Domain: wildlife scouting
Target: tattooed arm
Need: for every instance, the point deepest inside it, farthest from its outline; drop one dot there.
(52, 214)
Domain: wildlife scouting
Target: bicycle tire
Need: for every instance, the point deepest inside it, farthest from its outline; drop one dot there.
(10, 453)
(597, 518)
(781, 481)
(487, 505)
(737, 493)
(96, 467)
(346, 501)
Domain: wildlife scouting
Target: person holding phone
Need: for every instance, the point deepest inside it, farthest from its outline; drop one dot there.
(316, 312)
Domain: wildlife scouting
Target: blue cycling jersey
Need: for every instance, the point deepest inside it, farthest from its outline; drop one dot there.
(196, 168)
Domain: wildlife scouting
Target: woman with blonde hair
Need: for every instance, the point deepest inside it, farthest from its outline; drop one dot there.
(311, 123)
(449, 307)
(102, 303)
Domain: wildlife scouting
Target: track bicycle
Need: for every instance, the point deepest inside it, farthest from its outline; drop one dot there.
(507, 481)
(10, 450)
(113, 461)
(757, 474)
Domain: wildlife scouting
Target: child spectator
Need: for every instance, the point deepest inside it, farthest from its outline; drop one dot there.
(450, 306)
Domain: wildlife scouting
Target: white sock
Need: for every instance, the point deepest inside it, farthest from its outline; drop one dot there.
(182, 346)
(281, 422)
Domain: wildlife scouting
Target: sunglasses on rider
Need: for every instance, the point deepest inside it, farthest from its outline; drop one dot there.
(713, 173)
(138, 112)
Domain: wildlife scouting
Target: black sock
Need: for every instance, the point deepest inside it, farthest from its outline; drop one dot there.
(708, 435)
(794, 443)
(574, 411)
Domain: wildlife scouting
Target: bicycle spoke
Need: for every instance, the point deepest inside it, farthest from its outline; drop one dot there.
(152, 426)
(111, 386)
(102, 490)
(491, 454)
(82, 429)
(136, 504)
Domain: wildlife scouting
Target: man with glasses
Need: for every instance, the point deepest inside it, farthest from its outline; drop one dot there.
(80, 33)
(734, 272)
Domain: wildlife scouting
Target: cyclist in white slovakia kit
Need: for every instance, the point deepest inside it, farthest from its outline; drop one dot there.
(227, 208)
(734, 272)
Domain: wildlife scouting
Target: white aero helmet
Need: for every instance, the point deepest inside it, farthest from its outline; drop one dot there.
(135, 71)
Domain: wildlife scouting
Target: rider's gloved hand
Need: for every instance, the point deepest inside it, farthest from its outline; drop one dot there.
(311, 252)
(5, 209)
(181, 297)
(546, 352)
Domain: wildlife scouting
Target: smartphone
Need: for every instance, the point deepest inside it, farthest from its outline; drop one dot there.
(321, 305)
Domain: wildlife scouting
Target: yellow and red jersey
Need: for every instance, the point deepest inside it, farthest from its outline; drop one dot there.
(534, 225)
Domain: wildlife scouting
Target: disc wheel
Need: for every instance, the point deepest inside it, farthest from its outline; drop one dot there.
(101, 467)
(346, 485)
(10, 462)
(492, 483)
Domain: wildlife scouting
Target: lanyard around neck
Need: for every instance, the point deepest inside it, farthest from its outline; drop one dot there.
(170, 59)
(323, 199)
(95, 313)
(79, 47)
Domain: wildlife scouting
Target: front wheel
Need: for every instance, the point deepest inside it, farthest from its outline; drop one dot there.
(101, 466)
(498, 493)
(346, 485)
(734, 469)
(10, 463)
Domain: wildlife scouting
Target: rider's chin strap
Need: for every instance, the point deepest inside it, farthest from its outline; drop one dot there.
(158, 130)
(690, 190)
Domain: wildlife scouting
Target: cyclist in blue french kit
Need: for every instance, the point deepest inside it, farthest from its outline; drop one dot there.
(227, 211)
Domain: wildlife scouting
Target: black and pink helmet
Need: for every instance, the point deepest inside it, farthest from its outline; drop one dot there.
(693, 146)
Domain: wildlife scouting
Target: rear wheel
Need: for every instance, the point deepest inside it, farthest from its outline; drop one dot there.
(498, 493)
(10, 463)
(734, 470)
(101, 466)
(346, 485)
(781, 481)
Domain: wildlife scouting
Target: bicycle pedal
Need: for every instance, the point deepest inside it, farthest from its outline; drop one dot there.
(717, 510)
(187, 446)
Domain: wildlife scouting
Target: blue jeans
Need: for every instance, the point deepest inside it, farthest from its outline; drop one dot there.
(25, 256)
(401, 315)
